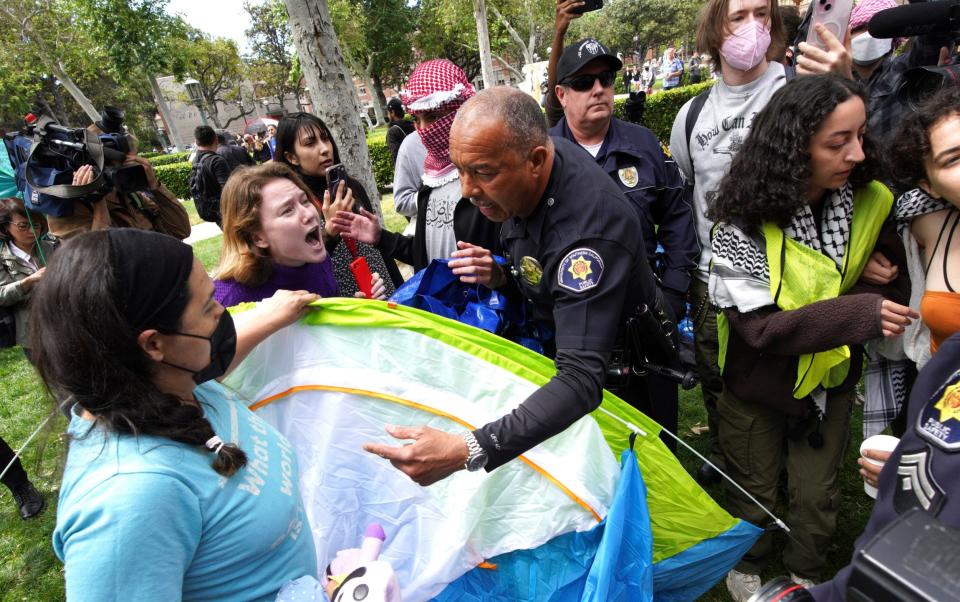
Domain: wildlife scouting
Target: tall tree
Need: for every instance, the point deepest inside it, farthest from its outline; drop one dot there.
(448, 29)
(272, 54)
(652, 22)
(49, 35)
(529, 24)
(331, 87)
(375, 37)
(483, 41)
(215, 63)
(138, 35)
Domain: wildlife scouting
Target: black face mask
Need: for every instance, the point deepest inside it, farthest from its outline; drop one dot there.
(223, 346)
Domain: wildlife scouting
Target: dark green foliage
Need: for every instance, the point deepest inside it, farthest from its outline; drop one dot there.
(175, 177)
(158, 160)
(662, 108)
(382, 163)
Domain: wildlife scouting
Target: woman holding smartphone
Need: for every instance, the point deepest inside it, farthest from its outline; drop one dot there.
(305, 144)
(275, 238)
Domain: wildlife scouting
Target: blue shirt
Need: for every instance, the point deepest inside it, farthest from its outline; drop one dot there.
(146, 518)
(672, 82)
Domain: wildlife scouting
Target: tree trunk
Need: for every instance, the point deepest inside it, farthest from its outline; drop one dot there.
(378, 90)
(158, 98)
(331, 87)
(74, 91)
(378, 111)
(483, 40)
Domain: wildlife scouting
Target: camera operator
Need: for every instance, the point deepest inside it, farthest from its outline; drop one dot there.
(153, 209)
(877, 66)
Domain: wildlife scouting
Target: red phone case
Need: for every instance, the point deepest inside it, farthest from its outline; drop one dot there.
(361, 273)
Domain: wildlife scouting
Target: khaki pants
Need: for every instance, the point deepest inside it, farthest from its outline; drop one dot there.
(706, 349)
(756, 448)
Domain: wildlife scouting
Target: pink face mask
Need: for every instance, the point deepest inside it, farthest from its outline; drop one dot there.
(746, 46)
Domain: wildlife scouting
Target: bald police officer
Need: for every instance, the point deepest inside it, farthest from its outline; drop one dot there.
(576, 246)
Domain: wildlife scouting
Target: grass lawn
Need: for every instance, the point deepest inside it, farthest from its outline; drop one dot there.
(30, 571)
(192, 212)
(377, 135)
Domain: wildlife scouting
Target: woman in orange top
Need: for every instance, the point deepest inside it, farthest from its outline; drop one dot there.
(927, 151)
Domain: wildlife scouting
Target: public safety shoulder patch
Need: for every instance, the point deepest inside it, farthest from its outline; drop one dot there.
(939, 421)
(629, 176)
(580, 270)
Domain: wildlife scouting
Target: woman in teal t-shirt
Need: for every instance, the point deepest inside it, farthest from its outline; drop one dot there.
(172, 489)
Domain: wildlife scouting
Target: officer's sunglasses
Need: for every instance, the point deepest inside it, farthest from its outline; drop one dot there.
(582, 83)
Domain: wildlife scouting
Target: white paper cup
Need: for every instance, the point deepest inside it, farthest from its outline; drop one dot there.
(878, 443)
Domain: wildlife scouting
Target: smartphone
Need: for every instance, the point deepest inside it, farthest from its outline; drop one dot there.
(361, 273)
(832, 14)
(589, 6)
(335, 175)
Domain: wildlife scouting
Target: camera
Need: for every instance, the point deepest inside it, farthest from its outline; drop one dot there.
(914, 558)
(920, 83)
(45, 156)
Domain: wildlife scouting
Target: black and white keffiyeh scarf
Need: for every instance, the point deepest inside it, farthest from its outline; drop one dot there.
(740, 276)
(914, 204)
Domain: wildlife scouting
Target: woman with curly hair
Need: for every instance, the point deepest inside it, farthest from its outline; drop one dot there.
(928, 168)
(799, 218)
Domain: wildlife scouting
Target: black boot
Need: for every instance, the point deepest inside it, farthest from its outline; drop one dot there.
(29, 500)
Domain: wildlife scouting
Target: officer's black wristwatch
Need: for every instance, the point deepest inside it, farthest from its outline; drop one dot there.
(476, 457)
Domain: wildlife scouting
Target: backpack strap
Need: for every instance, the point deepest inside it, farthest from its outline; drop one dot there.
(696, 107)
(401, 130)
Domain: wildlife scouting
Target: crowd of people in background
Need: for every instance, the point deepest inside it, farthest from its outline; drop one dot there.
(801, 216)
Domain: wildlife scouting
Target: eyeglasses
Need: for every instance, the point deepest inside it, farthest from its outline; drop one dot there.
(582, 83)
(22, 226)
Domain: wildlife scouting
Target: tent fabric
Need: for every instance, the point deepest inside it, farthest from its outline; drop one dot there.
(334, 380)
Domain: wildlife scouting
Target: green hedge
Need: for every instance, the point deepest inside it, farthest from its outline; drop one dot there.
(151, 154)
(169, 159)
(382, 163)
(176, 177)
(662, 108)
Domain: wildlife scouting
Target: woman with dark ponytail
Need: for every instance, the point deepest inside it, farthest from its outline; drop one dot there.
(172, 489)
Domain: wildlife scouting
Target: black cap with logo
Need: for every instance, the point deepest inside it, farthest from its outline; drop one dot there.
(575, 56)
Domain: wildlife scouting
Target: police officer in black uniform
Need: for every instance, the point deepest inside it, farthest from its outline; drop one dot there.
(634, 159)
(922, 471)
(576, 247)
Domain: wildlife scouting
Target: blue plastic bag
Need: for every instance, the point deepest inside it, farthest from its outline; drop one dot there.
(438, 290)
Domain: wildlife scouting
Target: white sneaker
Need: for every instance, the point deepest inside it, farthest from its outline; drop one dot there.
(807, 583)
(742, 585)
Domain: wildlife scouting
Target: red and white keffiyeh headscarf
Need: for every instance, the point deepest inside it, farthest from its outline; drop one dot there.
(437, 85)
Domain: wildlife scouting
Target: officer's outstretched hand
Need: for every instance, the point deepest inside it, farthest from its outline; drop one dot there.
(476, 265)
(433, 456)
(363, 226)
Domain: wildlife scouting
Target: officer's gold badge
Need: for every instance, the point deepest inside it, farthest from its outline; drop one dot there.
(629, 176)
(531, 270)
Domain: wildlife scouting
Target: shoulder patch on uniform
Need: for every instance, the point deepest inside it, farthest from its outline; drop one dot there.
(916, 486)
(580, 270)
(629, 176)
(939, 421)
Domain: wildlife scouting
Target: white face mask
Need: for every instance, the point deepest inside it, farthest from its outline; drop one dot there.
(868, 49)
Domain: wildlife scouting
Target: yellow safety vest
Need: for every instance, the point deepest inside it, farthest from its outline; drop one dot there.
(800, 276)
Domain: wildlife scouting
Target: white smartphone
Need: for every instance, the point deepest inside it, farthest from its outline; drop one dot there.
(832, 14)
